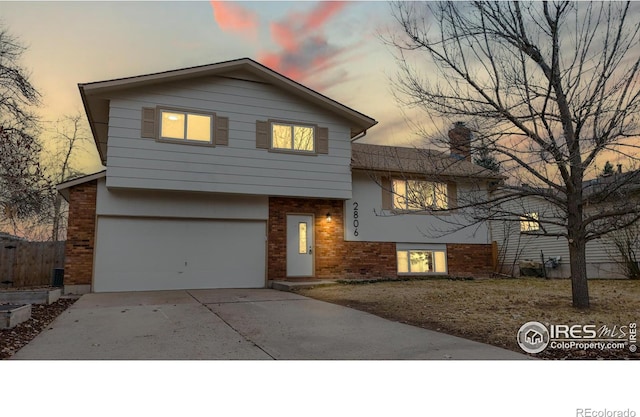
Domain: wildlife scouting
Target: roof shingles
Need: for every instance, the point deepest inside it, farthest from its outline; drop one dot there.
(429, 162)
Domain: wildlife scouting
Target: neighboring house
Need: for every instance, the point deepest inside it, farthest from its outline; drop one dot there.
(231, 175)
(7, 237)
(523, 241)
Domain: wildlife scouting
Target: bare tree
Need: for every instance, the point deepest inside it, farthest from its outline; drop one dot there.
(549, 88)
(69, 135)
(23, 184)
(625, 244)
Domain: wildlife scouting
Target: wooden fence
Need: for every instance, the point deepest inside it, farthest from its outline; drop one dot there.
(29, 264)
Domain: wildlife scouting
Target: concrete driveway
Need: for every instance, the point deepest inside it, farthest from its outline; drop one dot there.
(237, 324)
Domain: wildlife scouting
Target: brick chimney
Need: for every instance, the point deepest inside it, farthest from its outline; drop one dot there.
(460, 141)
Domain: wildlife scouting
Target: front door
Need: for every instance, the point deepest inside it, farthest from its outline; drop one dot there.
(300, 245)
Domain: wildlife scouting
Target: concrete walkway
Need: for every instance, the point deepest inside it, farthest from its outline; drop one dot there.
(237, 324)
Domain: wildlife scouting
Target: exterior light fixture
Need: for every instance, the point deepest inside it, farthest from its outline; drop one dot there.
(328, 217)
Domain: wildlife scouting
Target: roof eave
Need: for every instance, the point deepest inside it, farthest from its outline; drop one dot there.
(90, 119)
(435, 174)
(362, 121)
(63, 187)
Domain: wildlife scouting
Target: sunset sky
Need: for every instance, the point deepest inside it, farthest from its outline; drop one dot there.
(332, 47)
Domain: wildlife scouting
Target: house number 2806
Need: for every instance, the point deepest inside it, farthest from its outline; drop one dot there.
(356, 222)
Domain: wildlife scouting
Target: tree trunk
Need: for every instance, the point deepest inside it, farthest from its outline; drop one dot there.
(578, 263)
(55, 232)
(577, 241)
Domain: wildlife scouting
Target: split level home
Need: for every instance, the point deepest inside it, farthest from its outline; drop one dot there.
(231, 175)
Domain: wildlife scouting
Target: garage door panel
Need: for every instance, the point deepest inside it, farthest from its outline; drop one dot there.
(164, 254)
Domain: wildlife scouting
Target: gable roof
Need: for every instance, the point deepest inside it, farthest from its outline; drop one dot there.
(63, 187)
(612, 187)
(402, 160)
(9, 237)
(97, 105)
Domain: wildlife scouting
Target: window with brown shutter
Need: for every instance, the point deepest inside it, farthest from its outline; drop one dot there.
(418, 195)
(221, 136)
(178, 125)
(262, 134)
(452, 193)
(322, 140)
(292, 137)
(148, 129)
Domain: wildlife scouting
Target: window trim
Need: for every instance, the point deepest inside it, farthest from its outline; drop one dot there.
(313, 152)
(393, 193)
(186, 112)
(408, 250)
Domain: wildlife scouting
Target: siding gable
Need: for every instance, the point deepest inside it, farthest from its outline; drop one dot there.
(240, 165)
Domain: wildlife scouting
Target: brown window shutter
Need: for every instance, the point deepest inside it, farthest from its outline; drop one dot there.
(387, 193)
(452, 192)
(322, 141)
(222, 131)
(148, 129)
(262, 134)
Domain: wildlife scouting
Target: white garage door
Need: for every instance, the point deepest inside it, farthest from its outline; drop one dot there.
(134, 254)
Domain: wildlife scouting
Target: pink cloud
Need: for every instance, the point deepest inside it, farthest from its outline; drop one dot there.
(305, 50)
(234, 18)
(284, 36)
(323, 12)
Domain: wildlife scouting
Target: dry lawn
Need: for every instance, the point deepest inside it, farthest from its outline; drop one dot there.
(492, 310)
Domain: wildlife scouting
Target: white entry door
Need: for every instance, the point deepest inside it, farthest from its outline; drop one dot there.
(300, 247)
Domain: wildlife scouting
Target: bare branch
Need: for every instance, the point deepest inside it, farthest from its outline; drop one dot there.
(550, 88)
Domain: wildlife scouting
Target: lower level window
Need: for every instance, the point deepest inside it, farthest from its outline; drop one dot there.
(421, 262)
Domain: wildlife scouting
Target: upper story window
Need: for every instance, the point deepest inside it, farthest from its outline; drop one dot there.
(292, 137)
(195, 127)
(529, 222)
(417, 195)
(185, 125)
(283, 136)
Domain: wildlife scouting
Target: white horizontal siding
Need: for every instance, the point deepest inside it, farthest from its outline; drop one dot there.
(514, 246)
(149, 203)
(134, 162)
(376, 225)
(262, 101)
(220, 169)
(268, 178)
(224, 157)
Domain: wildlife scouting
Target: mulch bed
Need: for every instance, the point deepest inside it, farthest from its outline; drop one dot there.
(12, 340)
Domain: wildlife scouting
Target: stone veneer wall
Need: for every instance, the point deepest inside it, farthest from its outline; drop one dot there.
(334, 258)
(78, 264)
